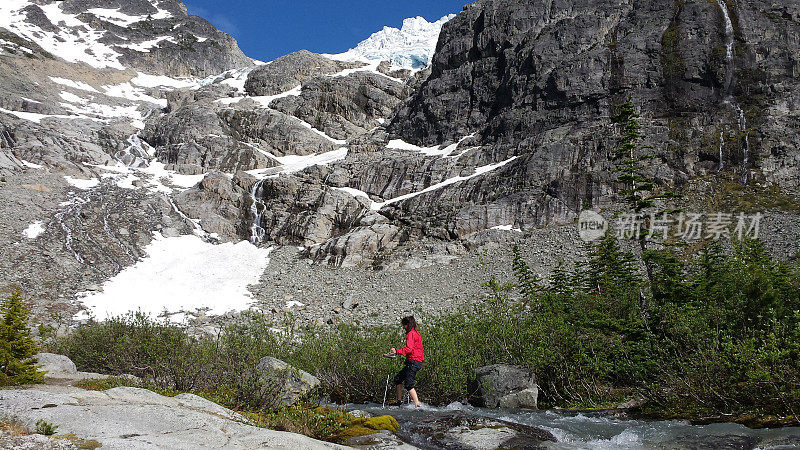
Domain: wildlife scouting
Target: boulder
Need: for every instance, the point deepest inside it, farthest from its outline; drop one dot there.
(296, 382)
(55, 364)
(504, 386)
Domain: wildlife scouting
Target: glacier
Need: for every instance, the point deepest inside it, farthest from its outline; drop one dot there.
(410, 47)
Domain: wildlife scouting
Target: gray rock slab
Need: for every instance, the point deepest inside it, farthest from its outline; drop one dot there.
(133, 418)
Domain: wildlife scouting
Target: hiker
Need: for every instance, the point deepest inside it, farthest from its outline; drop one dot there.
(414, 358)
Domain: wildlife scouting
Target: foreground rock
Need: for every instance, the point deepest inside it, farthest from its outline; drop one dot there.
(461, 431)
(133, 418)
(504, 386)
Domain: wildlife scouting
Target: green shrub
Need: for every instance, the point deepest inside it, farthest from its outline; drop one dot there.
(45, 428)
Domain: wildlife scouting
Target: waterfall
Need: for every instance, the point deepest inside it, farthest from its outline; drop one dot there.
(729, 99)
(73, 208)
(257, 208)
(137, 153)
(134, 155)
(728, 29)
(746, 150)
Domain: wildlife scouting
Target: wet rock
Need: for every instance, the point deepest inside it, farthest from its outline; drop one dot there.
(219, 203)
(303, 211)
(359, 247)
(462, 431)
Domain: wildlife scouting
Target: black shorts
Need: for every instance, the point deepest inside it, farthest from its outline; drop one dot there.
(407, 375)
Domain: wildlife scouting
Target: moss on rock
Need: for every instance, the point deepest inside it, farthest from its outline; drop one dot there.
(363, 426)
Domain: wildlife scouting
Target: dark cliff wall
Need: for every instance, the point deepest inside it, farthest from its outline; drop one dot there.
(539, 79)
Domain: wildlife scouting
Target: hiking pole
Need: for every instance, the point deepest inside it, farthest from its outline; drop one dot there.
(385, 391)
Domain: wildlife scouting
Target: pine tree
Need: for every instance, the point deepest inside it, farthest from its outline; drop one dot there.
(17, 365)
(632, 159)
(527, 280)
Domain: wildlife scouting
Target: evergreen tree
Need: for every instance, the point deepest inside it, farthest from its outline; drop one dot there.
(632, 159)
(527, 280)
(17, 365)
(609, 269)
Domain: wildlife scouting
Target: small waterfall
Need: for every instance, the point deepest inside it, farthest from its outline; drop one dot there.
(729, 99)
(137, 153)
(72, 209)
(257, 208)
(728, 28)
(746, 150)
(195, 224)
(134, 155)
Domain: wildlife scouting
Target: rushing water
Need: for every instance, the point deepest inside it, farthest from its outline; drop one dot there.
(598, 431)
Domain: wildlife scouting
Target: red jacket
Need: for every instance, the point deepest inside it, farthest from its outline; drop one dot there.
(413, 349)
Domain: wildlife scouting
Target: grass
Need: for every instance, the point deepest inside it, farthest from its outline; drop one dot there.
(13, 426)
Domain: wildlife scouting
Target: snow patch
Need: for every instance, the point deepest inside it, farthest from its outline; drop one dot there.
(81, 183)
(74, 84)
(399, 144)
(263, 100)
(507, 228)
(34, 230)
(145, 80)
(30, 165)
(118, 17)
(352, 191)
(130, 92)
(296, 163)
(183, 273)
(145, 46)
(37, 118)
(478, 172)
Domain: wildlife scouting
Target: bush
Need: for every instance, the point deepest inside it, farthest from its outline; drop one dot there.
(170, 359)
(45, 428)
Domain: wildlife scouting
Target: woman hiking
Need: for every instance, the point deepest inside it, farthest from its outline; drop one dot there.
(414, 358)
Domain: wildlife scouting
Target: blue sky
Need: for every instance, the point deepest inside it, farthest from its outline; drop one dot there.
(267, 29)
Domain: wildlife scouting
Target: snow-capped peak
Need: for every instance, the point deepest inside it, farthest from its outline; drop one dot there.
(410, 47)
